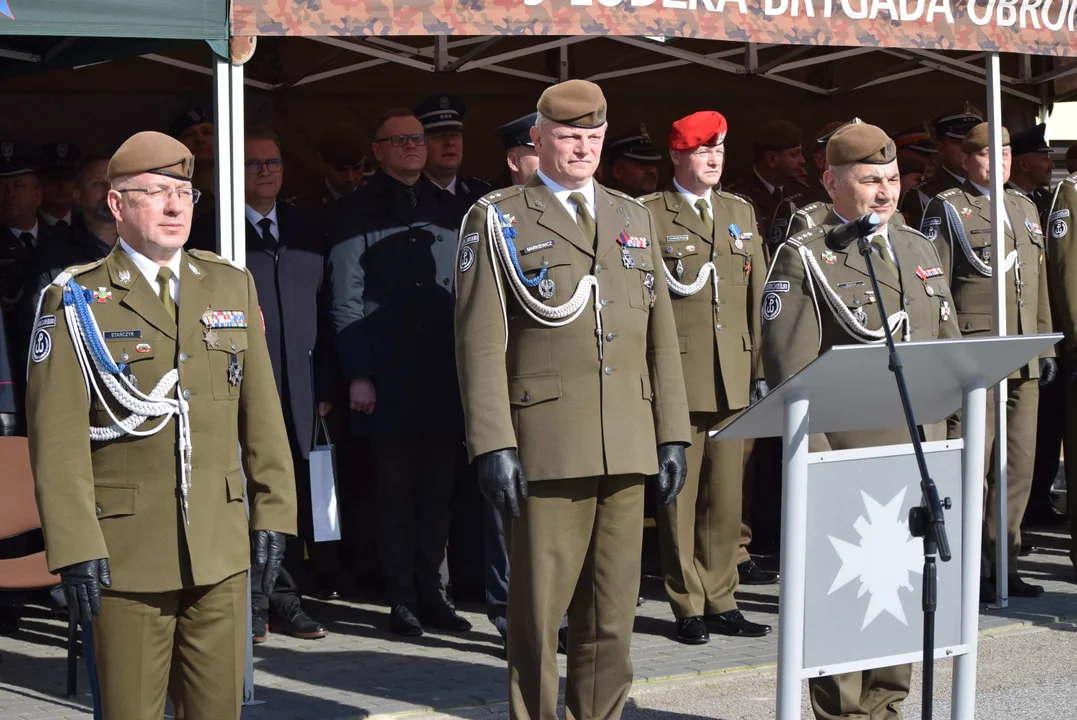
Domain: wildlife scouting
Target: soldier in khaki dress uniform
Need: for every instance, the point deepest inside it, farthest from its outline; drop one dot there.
(571, 381)
(714, 268)
(141, 497)
(1062, 277)
(959, 223)
(816, 298)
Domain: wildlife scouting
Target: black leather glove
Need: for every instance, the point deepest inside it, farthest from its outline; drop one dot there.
(11, 425)
(672, 469)
(268, 551)
(1048, 371)
(82, 584)
(502, 481)
(757, 391)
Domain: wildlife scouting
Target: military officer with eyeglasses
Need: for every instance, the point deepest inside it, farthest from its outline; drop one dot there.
(390, 279)
(141, 502)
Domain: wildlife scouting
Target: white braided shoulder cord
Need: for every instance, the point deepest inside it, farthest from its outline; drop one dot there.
(957, 228)
(549, 315)
(141, 406)
(857, 329)
(683, 290)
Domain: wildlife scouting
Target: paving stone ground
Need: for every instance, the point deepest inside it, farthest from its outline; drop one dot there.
(361, 670)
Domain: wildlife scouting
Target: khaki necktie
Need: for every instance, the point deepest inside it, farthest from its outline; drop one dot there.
(583, 218)
(163, 277)
(879, 243)
(705, 216)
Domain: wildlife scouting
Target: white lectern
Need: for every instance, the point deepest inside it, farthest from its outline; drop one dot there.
(862, 607)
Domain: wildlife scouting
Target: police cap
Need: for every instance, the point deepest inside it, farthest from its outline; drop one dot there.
(440, 113)
(18, 158)
(517, 133)
(61, 158)
(189, 118)
(957, 124)
(1033, 140)
(634, 146)
(916, 139)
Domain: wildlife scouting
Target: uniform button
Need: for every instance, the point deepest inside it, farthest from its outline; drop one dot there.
(967, 326)
(439, 238)
(545, 261)
(856, 301)
(418, 283)
(604, 302)
(714, 254)
(609, 337)
(930, 290)
(608, 370)
(907, 300)
(719, 326)
(98, 510)
(411, 239)
(445, 282)
(598, 267)
(232, 346)
(124, 357)
(186, 394)
(525, 398)
(183, 357)
(1022, 303)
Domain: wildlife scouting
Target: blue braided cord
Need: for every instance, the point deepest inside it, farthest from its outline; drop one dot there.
(509, 233)
(79, 297)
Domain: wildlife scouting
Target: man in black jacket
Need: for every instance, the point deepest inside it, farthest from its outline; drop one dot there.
(390, 275)
(286, 256)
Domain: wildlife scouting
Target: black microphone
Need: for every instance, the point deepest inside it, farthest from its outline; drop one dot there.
(845, 235)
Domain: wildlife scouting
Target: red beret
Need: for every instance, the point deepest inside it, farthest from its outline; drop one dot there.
(702, 128)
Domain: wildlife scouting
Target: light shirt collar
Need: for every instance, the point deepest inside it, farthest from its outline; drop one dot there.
(692, 197)
(33, 231)
(149, 269)
(770, 188)
(451, 187)
(51, 220)
(885, 232)
(254, 217)
(561, 193)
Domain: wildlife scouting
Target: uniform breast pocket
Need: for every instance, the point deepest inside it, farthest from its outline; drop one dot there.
(226, 359)
(742, 263)
(639, 273)
(857, 301)
(135, 356)
(681, 258)
(547, 274)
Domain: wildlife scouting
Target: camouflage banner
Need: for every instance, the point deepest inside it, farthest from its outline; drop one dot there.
(1041, 27)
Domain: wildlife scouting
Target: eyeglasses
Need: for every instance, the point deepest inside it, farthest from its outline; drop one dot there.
(402, 140)
(255, 166)
(159, 194)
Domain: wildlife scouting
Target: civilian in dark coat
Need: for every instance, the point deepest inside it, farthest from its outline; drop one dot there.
(390, 275)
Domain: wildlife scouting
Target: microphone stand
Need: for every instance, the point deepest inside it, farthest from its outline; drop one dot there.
(926, 520)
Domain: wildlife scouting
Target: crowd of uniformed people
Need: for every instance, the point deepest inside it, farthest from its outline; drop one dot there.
(564, 345)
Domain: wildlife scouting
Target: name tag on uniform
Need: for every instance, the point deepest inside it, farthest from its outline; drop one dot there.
(535, 248)
(122, 334)
(224, 319)
(46, 321)
(676, 238)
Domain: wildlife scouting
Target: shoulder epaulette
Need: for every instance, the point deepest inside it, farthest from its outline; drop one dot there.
(731, 196)
(1072, 179)
(76, 270)
(622, 195)
(805, 236)
(949, 193)
(502, 194)
(809, 209)
(915, 232)
(650, 196)
(205, 256)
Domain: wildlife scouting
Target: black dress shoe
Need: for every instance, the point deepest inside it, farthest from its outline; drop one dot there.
(733, 622)
(443, 617)
(1020, 588)
(562, 641)
(298, 624)
(9, 619)
(752, 574)
(692, 631)
(987, 591)
(259, 623)
(402, 621)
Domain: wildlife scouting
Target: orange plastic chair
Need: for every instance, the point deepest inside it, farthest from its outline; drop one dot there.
(22, 564)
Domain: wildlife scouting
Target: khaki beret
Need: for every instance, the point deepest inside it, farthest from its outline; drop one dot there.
(977, 139)
(578, 103)
(1071, 154)
(778, 135)
(152, 152)
(860, 143)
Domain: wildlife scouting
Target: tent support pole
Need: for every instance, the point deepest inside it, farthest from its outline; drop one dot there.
(228, 113)
(998, 251)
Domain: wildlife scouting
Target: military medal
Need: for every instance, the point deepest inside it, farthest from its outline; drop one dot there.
(860, 315)
(547, 288)
(648, 282)
(986, 254)
(966, 212)
(747, 266)
(944, 311)
(235, 372)
(626, 258)
(828, 257)
(142, 348)
(680, 268)
(211, 339)
(224, 319)
(102, 295)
